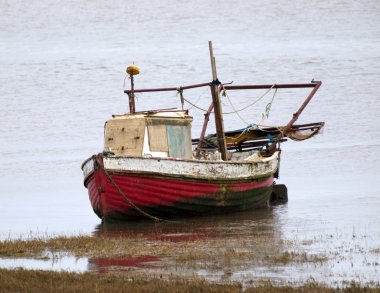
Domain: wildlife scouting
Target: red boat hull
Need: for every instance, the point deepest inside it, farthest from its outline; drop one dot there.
(166, 197)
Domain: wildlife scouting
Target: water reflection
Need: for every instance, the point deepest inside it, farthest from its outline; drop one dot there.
(247, 233)
(248, 247)
(191, 229)
(122, 263)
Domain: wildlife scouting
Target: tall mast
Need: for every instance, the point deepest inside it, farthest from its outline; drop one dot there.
(219, 125)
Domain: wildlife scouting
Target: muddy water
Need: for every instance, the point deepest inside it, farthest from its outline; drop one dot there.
(61, 77)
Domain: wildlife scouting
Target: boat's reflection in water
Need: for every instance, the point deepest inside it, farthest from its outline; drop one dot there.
(122, 263)
(253, 231)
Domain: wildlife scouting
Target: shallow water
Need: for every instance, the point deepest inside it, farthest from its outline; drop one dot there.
(61, 77)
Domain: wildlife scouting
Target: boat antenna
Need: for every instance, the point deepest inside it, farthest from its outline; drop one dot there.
(131, 71)
(219, 125)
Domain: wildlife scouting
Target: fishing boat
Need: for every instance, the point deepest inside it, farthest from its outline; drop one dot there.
(152, 168)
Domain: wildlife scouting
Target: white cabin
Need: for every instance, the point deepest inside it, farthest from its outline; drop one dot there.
(150, 134)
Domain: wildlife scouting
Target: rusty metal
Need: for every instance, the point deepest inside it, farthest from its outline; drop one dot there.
(303, 106)
(227, 87)
(131, 95)
(268, 86)
(131, 92)
(132, 108)
(204, 127)
(168, 89)
(316, 86)
(313, 84)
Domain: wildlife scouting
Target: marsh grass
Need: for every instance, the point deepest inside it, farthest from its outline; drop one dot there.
(85, 246)
(214, 255)
(206, 250)
(46, 281)
(375, 250)
(296, 257)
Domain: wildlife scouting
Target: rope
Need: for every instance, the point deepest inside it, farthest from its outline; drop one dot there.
(180, 92)
(232, 106)
(279, 128)
(246, 130)
(235, 111)
(267, 109)
(269, 105)
(156, 219)
(250, 105)
(195, 106)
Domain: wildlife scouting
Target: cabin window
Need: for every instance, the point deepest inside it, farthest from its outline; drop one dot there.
(158, 138)
(179, 140)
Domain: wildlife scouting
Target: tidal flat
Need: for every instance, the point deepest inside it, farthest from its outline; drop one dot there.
(215, 260)
(62, 73)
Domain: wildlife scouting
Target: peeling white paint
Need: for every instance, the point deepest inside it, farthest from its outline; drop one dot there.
(252, 167)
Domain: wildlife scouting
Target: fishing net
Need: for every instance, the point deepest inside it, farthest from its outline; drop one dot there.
(305, 134)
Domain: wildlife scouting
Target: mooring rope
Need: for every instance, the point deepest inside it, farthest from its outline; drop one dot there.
(156, 219)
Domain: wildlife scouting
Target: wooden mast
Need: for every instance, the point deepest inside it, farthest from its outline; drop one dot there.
(219, 125)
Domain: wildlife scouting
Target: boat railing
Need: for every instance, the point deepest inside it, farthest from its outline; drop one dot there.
(314, 85)
(228, 86)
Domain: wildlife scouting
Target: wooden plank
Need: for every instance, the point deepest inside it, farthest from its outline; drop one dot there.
(125, 137)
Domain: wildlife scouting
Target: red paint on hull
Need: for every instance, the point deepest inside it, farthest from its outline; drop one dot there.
(170, 195)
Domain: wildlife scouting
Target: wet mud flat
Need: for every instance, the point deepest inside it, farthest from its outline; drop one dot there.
(236, 252)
